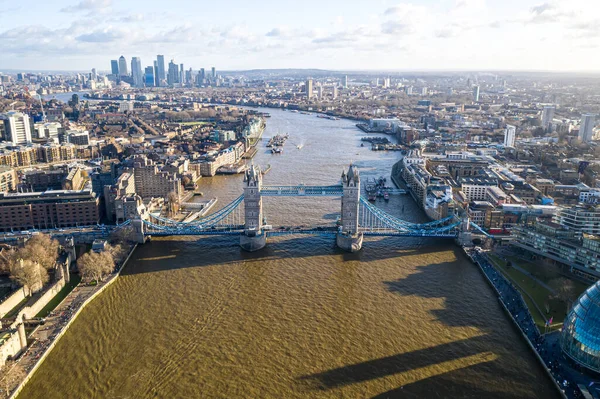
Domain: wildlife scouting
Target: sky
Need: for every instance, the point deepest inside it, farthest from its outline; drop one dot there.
(327, 34)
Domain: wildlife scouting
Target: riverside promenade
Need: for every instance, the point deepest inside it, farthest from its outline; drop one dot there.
(567, 380)
(43, 339)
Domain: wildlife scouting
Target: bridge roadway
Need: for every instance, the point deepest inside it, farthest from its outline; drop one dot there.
(301, 191)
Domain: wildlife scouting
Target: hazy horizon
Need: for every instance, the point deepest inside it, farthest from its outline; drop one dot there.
(462, 35)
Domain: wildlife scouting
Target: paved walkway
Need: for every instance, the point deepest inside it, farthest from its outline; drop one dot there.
(547, 346)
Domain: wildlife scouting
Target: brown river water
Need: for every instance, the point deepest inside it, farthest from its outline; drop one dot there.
(197, 317)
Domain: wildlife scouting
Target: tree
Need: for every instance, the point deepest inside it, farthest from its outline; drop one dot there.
(95, 266)
(31, 275)
(565, 290)
(41, 249)
(13, 373)
(121, 236)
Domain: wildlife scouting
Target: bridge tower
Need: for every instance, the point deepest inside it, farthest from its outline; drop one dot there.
(465, 238)
(349, 238)
(138, 230)
(254, 237)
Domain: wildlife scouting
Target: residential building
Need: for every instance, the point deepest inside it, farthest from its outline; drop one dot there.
(509, 136)
(48, 209)
(16, 127)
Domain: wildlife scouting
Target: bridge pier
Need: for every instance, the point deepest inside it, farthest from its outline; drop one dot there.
(349, 242)
(253, 243)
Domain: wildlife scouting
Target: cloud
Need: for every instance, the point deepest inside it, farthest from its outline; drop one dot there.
(278, 32)
(102, 36)
(88, 5)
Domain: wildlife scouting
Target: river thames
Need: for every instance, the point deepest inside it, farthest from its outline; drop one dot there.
(199, 318)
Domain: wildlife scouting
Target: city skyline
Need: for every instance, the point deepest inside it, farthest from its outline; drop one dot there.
(383, 35)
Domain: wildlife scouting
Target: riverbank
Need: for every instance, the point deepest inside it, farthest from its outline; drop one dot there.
(57, 325)
(514, 305)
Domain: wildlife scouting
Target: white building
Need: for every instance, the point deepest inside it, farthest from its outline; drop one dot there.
(586, 129)
(509, 136)
(125, 106)
(49, 130)
(17, 128)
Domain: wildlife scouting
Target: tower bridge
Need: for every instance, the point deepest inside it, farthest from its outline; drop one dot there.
(244, 217)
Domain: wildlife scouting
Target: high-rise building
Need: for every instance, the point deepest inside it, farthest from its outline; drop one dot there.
(156, 78)
(309, 88)
(189, 79)
(136, 72)
(149, 76)
(509, 136)
(123, 67)
(547, 117)
(181, 75)
(334, 94)
(160, 75)
(17, 128)
(320, 92)
(202, 75)
(114, 67)
(214, 73)
(94, 76)
(345, 82)
(173, 75)
(476, 93)
(586, 128)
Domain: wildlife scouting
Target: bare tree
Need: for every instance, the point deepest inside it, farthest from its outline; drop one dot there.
(13, 373)
(41, 249)
(122, 236)
(95, 266)
(31, 275)
(565, 290)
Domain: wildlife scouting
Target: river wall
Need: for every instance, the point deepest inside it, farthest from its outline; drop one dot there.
(16, 392)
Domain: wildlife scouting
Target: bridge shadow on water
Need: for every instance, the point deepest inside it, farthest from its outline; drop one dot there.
(457, 369)
(190, 252)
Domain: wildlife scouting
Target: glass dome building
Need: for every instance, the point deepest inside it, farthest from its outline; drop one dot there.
(581, 331)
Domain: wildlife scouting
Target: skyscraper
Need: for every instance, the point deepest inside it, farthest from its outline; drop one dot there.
(214, 73)
(202, 75)
(476, 93)
(160, 63)
(586, 128)
(509, 136)
(309, 88)
(136, 72)
(181, 75)
(123, 67)
(94, 75)
(173, 75)
(114, 67)
(149, 76)
(17, 128)
(345, 82)
(547, 117)
(156, 78)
